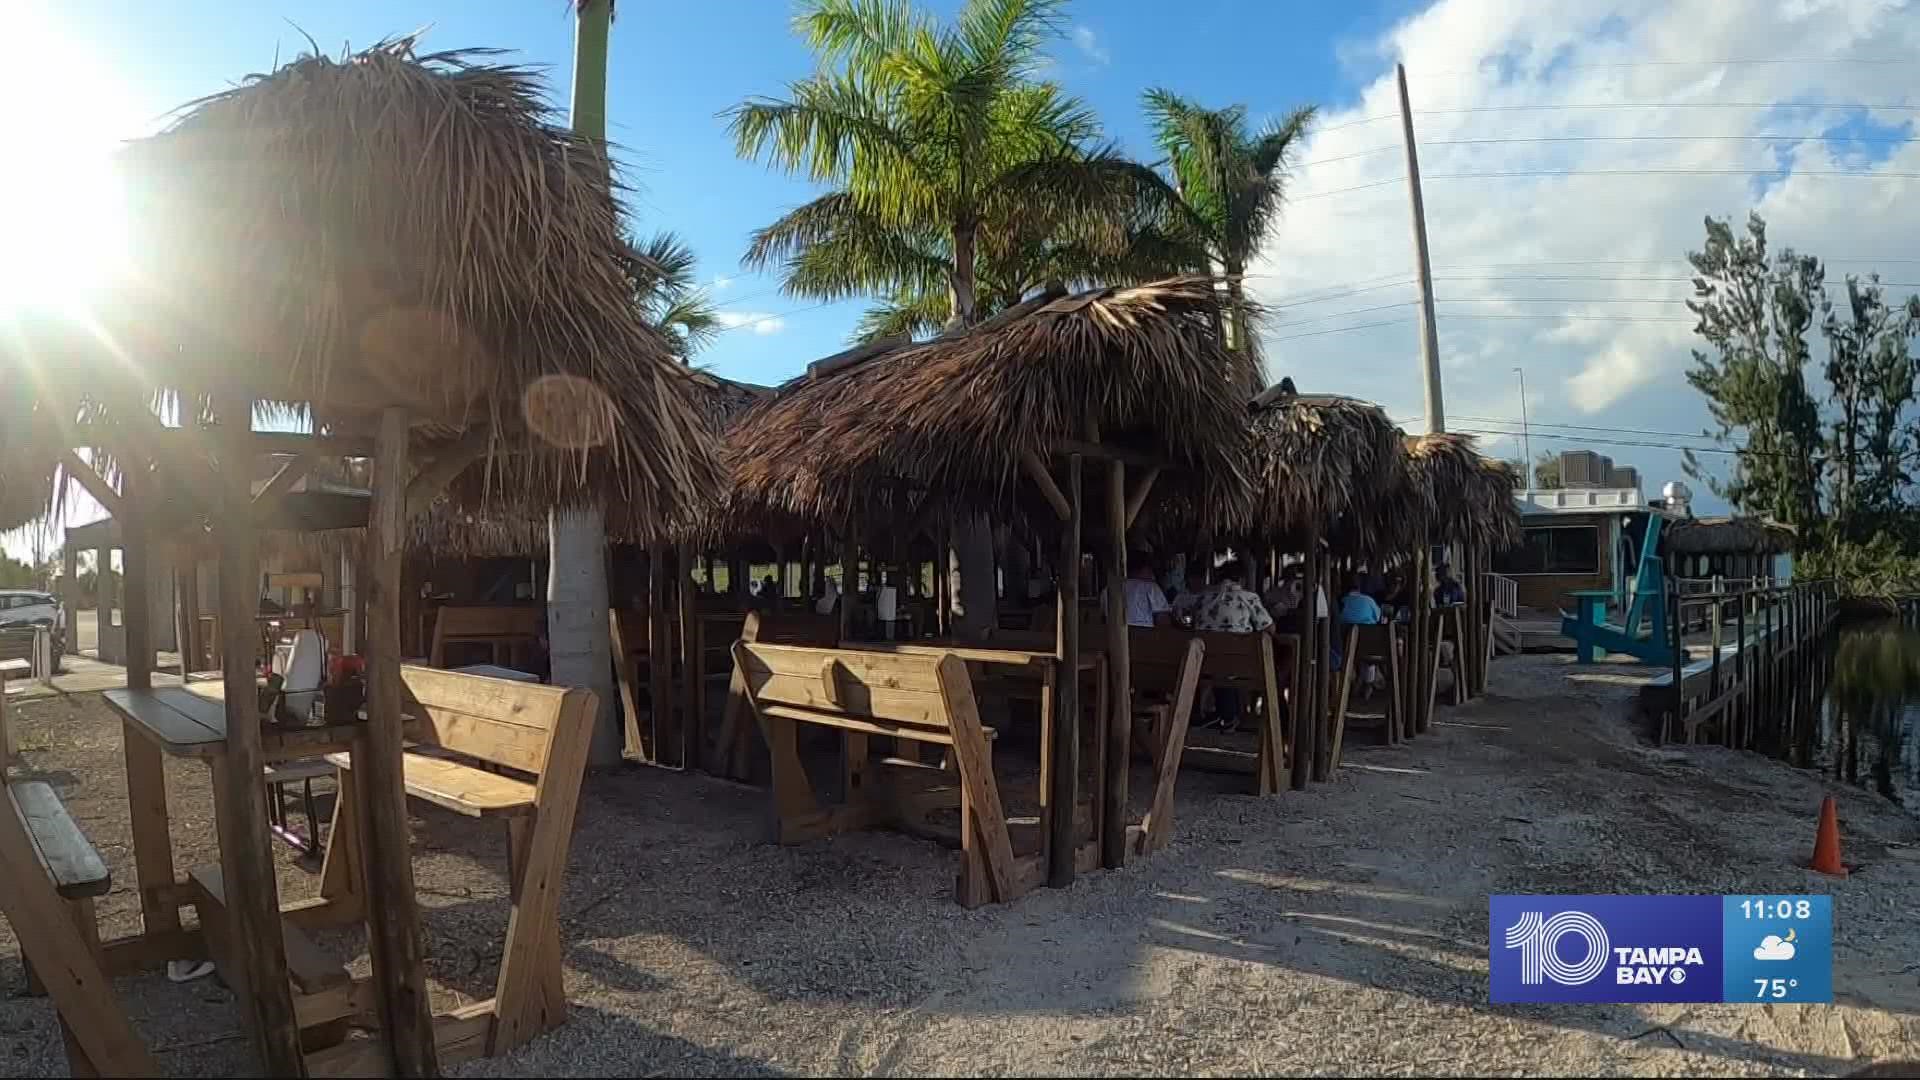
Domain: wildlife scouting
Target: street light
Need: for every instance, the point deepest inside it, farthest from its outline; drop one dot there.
(1526, 434)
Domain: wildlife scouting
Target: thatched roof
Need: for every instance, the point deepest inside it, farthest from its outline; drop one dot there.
(393, 229)
(1471, 494)
(1727, 535)
(1334, 465)
(955, 415)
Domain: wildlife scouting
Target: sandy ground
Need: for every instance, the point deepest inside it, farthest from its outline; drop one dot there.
(1340, 930)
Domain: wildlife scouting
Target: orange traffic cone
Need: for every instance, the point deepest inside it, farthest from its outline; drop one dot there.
(1826, 842)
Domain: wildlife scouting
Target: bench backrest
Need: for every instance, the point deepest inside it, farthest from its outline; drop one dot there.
(519, 725)
(1374, 640)
(483, 623)
(792, 628)
(902, 689)
(9, 749)
(1156, 655)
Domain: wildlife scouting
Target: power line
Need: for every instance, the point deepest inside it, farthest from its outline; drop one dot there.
(1593, 441)
(1342, 329)
(1629, 64)
(1848, 105)
(1521, 173)
(1590, 427)
(773, 316)
(1878, 140)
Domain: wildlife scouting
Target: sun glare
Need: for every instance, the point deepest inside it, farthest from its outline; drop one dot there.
(62, 219)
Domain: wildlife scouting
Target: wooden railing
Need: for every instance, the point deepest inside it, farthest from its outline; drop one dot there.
(1504, 592)
(1765, 673)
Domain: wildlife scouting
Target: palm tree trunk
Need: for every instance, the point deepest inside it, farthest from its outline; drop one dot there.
(979, 600)
(580, 649)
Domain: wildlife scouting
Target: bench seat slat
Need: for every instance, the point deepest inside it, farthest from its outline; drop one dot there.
(66, 853)
(459, 787)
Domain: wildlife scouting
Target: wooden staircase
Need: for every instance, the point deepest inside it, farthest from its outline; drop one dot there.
(1502, 627)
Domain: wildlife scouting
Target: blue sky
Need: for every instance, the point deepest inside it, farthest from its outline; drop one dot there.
(676, 66)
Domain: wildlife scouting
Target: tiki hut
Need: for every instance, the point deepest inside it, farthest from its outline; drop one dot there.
(1474, 517)
(1001, 419)
(1725, 547)
(408, 256)
(1330, 468)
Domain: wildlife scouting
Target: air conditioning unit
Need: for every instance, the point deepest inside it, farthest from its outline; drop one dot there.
(1584, 468)
(1624, 476)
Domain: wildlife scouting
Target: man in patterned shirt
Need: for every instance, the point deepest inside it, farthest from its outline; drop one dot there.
(1231, 609)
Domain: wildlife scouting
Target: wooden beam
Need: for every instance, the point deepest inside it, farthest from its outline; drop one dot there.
(1119, 725)
(1037, 470)
(446, 465)
(256, 943)
(255, 443)
(393, 923)
(1137, 498)
(95, 484)
(1062, 748)
(289, 474)
(136, 579)
(1096, 451)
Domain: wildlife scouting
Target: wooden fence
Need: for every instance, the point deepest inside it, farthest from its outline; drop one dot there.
(1764, 678)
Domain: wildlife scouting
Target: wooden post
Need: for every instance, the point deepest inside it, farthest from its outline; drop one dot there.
(393, 922)
(136, 585)
(849, 580)
(1323, 682)
(693, 692)
(660, 656)
(1063, 780)
(1305, 681)
(1742, 704)
(1673, 730)
(1113, 809)
(943, 576)
(186, 625)
(246, 856)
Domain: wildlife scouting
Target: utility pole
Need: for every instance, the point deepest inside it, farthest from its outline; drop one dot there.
(1526, 430)
(1429, 340)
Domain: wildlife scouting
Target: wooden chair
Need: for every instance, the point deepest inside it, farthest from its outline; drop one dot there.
(920, 697)
(1451, 627)
(541, 731)
(1247, 661)
(1376, 644)
(497, 627)
(9, 748)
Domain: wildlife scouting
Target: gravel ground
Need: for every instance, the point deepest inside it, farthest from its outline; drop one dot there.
(1340, 930)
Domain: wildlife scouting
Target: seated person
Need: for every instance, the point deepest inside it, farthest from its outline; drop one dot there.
(1357, 608)
(1230, 609)
(1146, 605)
(1449, 592)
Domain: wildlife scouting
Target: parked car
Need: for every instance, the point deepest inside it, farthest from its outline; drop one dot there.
(31, 607)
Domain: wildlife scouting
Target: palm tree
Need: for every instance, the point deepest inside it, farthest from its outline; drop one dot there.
(950, 157)
(580, 646)
(666, 290)
(1231, 183)
(946, 152)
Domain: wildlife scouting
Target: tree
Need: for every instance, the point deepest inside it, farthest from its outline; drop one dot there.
(666, 290)
(579, 645)
(948, 156)
(1231, 184)
(1755, 315)
(1870, 374)
(1546, 471)
(946, 153)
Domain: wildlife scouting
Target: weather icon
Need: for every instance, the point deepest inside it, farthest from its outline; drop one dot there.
(1775, 947)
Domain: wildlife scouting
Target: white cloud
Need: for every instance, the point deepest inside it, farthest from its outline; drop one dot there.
(1088, 42)
(1531, 246)
(758, 322)
(720, 284)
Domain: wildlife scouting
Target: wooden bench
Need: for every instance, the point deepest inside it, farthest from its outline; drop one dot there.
(53, 876)
(9, 747)
(466, 721)
(732, 746)
(1245, 661)
(1379, 645)
(498, 627)
(920, 697)
(325, 993)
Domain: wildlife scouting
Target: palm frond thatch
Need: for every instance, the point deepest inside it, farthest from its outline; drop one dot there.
(1728, 535)
(1472, 494)
(956, 415)
(399, 229)
(1333, 466)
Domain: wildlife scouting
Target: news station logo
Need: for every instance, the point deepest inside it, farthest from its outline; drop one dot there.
(1605, 948)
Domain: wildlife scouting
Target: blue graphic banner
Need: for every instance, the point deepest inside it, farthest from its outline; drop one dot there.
(1660, 948)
